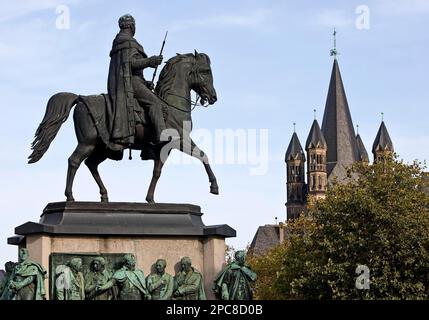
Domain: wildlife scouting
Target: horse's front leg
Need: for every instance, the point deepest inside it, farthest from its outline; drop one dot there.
(196, 152)
(157, 169)
(214, 188)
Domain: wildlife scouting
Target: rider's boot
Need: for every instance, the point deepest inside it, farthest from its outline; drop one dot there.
(116, 147)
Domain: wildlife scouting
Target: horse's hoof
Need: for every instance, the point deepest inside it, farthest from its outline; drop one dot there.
(150, 201)
(214, 190)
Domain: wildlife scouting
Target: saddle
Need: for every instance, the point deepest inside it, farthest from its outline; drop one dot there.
(100, 109)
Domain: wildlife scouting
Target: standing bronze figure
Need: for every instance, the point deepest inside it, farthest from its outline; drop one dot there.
(28, 279)
(235, 281)
(160, 284)
(188, 282)
(129, 280)
(5, 292)
(69, 282)
(98, 276)
(102, 133)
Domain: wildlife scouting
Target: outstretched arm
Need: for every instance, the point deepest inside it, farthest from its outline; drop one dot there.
(138, 63)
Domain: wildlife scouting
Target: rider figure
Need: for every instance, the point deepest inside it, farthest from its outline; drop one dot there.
(126, 84)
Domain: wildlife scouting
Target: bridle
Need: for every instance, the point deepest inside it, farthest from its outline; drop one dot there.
(196, 76)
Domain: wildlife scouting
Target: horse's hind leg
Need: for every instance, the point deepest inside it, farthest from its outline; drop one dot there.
(81, 152)
(196, 152)
(157, 169)
(92, 162)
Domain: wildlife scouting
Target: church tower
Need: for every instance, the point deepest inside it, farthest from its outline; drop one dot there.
(295, 161)
(383, 145)
(337, 126)
(316, 147)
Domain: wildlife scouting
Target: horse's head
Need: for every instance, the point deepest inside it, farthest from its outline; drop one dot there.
(202, 78)
(186, 72)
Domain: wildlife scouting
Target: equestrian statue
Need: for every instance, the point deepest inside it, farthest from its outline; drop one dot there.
(134, 114)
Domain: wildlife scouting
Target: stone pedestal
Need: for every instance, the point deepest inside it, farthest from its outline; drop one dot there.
(150, 231)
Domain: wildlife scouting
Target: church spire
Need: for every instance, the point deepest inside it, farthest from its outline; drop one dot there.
(382, 144)
(315, 138)
(294, 150)
(337, 128)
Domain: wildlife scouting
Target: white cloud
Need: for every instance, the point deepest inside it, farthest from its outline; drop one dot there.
(251, 19)
(402, 7)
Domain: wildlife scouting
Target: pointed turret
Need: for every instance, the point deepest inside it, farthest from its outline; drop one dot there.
(337, 128)
(382, 144)
(294, 151)
(315, 138)
(363, 155)
(316, 167)
(295, 161)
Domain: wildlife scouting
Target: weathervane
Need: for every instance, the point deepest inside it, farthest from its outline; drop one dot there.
(334, 51)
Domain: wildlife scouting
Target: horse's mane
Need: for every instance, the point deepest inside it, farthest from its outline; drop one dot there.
(168, 74)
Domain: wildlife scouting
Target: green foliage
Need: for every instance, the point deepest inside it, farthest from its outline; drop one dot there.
(378, 218)
(267, 269)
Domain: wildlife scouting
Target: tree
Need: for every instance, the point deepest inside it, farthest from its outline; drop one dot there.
(378, 218)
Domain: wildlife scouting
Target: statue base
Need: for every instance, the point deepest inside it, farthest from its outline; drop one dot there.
(150, 231)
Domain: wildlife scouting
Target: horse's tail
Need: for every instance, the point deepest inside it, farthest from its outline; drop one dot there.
(57, 112)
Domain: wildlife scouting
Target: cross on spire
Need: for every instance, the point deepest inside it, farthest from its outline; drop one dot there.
(334, 51)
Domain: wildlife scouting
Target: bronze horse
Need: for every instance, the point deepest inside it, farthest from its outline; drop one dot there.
(180, 75)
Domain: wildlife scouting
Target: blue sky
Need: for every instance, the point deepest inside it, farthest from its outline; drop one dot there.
(271, 67)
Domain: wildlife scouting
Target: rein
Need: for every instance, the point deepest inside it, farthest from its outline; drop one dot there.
(189, 100)
(194, 73)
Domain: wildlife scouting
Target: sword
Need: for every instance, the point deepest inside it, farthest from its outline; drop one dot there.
(160, 53)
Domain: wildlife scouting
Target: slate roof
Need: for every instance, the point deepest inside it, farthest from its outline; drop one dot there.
(315, 137)
(266, 237)
(363, 155)
(382, 140)
(294, 151)
(337, 128)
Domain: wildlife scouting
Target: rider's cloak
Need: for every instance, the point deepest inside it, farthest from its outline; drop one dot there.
(122, 123)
